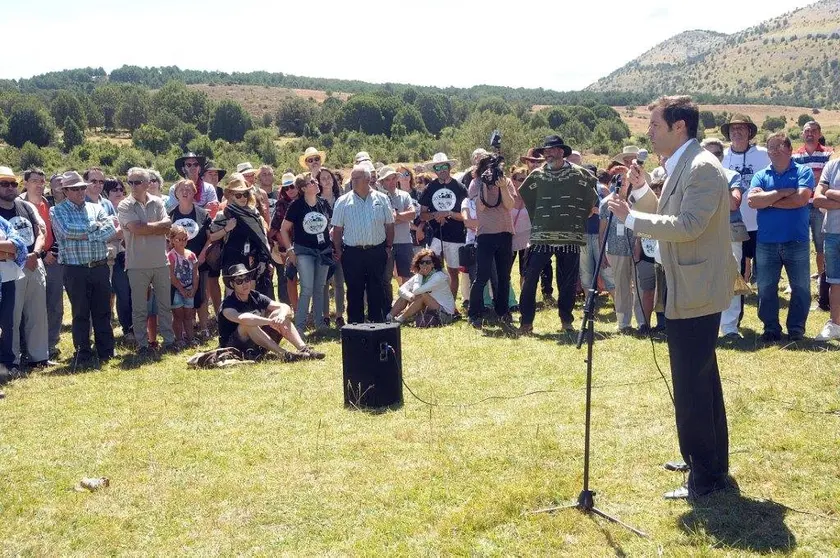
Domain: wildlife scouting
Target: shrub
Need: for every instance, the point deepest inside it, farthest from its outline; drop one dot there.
(73, 134)
(152, 138)
(230, 122)
(29, 123)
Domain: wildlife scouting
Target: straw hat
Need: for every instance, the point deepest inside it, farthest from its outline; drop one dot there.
(311, 152)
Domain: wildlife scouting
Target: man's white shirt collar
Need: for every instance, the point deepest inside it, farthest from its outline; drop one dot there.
(671, 163)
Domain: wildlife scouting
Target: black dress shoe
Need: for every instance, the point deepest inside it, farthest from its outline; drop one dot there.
(679, 466)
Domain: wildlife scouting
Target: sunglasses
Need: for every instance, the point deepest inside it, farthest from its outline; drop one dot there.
(191, 165)
(120, 190)
(134, 182)
(240, 195)
(96, 181)
(8, 184)
(518, 178)
(439, 168)
(717, 153)
(241, 280)
(73, 188)
(154, 180)
(425, 262)
(290, 187)
(405, 174)
(314, 160)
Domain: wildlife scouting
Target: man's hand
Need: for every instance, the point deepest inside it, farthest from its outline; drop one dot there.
(441, 216)
(50, 259)
(230, 225)
(785, 192)
(337, 251)
(637, 176)
(31, 262)
(619, 208)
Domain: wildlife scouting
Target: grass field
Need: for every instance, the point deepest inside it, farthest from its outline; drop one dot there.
(265, 460)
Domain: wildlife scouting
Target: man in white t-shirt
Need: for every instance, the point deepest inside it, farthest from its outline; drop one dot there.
(746, 159)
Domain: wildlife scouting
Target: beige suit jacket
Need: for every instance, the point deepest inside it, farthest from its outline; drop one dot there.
(691, 222)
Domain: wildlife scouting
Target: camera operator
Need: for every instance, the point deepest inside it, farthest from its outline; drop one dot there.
(494, 236)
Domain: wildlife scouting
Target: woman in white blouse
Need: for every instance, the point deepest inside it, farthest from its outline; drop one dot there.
(427, 290)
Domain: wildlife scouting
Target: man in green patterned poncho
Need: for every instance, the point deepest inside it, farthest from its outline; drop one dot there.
(559, 197)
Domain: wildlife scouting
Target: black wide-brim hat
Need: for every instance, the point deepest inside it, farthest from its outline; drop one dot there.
(234, 271)
(211, 166)
(554, 141)
(179, 162)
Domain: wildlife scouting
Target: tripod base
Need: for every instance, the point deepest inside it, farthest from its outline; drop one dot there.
(586, 504)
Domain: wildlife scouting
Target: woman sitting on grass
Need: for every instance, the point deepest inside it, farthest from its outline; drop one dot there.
(427, 290)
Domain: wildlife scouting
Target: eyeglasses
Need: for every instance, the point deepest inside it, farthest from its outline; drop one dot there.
(191, 165)
(154, 180)
(405, 174)
(241, 280)
(73, 188)
(425, 262)
(135, 182)
(314, 160)
(8, 184)
(441, 167)
(240, 195)
(96, 181)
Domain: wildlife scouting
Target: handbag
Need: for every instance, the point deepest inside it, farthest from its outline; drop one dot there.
(738, 232)
(466, 256)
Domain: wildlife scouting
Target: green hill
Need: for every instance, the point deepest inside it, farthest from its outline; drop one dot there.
(792, 59)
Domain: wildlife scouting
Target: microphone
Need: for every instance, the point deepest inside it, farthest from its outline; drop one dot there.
(640, 159)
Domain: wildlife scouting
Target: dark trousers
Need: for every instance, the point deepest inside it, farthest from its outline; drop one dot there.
(698, 401)
(282, 284)
(7, 323)
(567, 268)
(364, 273)
(89, 291)
(492, 249)
(122, 292)
(546, 279)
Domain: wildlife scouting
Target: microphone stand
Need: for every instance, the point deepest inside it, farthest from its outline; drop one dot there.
(586, 499)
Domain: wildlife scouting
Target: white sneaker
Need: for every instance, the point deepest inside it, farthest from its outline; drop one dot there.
(829, 331)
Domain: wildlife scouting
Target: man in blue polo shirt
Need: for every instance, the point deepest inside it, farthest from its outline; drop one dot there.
(780, 193)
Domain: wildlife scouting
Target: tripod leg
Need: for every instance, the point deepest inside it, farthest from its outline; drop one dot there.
(599, 513)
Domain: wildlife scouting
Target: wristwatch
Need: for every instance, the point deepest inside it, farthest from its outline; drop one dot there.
(42, 254)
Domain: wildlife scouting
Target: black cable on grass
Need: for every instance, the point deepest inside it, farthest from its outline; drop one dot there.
(391, 350)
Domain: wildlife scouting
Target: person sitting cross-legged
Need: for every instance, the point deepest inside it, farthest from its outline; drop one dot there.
(254, 324)
(427, 290)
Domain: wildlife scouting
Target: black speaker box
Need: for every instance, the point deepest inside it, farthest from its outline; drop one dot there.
(372, 373)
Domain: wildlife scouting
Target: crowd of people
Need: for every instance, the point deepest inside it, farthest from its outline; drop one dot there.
(153, 257)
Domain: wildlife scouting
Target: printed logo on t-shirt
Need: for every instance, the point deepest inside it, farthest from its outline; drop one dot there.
(746, 173)
(443, 200)
(314, 222)
(24, 229)
(649, 247)
(189, 225)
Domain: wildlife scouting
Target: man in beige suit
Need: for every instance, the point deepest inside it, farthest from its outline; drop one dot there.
(691, 223)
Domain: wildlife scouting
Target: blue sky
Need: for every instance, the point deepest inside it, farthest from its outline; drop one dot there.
(559, 45)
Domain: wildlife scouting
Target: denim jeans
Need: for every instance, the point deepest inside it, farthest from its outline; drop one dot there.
(7, 323)
(492, 248)
(589, 255)
(55, 303)
(795, 258)
(311, 279)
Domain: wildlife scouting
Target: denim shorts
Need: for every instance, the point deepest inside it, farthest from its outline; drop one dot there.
(832, 258)
(403, 254)
(178, 301)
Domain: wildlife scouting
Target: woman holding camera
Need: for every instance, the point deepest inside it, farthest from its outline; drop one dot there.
(494, 237)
